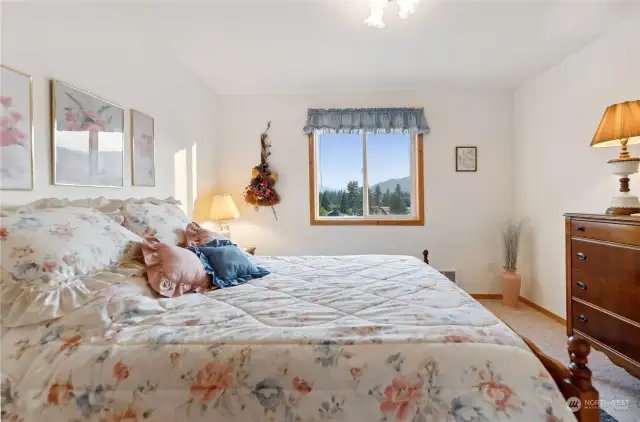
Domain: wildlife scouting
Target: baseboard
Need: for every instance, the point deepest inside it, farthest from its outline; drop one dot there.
(486, 295)
(526, 301)
(547, 312)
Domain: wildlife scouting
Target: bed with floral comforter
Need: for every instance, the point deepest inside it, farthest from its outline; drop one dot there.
(350, 338)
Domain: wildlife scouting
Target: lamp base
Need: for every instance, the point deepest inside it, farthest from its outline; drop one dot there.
(624, 203)
(622, 211)
(225, 229)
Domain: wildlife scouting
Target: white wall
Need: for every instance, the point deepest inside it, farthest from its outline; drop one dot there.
(1, 28)
(555, 118)
(88, 47)
(205, 141)
(463, 210)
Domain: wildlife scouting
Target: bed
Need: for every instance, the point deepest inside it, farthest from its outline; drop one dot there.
(348, 338)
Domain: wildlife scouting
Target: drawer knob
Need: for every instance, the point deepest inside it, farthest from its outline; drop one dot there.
(582, 318)
(581, 285)
(581, 256)
(579, 228)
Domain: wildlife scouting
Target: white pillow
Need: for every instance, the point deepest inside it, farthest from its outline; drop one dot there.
(114, 204)
(112, 208)
(165, 221)
(48, 256)
(100, 203)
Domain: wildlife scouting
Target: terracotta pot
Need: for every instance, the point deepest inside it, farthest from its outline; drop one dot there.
(510, 283)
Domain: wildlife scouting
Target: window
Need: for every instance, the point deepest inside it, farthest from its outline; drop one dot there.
(366, 179)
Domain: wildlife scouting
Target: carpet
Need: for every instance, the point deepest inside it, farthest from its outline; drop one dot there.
(605, 417)
(613, 382)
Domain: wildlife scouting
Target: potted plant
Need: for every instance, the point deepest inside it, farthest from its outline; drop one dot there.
(510, 279)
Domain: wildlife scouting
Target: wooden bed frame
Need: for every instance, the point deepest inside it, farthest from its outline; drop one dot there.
(573, 381)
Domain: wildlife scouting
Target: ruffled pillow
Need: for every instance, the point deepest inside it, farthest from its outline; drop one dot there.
(48, 257)
(173, 271)
(227, 264)
(101, 204)
(24, 305)
(166, 221)
(197, 235)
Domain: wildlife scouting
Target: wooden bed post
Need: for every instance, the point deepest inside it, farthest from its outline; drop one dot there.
(578, 384)
(574, 382)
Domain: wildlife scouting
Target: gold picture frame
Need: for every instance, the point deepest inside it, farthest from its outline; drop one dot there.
(13, 119)
(143, 171)
(86, 118)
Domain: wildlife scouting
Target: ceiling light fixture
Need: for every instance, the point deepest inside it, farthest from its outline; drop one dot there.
(407, 8)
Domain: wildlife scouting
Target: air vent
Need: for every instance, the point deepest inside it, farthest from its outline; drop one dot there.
(450, 274)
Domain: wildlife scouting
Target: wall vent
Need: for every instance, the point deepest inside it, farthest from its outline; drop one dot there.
(450, 274)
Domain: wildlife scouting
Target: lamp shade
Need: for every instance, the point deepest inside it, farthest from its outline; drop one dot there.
(223, 208)
(620, 121)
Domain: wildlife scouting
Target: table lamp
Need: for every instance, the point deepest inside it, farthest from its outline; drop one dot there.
(223, 209)
(620, 126)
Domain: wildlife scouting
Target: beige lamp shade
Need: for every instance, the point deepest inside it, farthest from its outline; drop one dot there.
(620, 122)
(223, 208)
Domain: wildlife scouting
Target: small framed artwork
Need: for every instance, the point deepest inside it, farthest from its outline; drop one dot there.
(16, 130)
(87, 139)
(143, 171)
(466, 158)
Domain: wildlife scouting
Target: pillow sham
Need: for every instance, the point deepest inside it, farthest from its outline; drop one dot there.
(173, 271)
(115, 204)
(166, 221)
(197, 235)
(228, 265)
(44, 203)
(48, 256)
(100, 203)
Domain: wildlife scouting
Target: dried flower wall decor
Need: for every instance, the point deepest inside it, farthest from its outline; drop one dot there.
(261, 191)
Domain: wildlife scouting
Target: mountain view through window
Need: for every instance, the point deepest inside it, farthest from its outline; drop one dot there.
(349, 164)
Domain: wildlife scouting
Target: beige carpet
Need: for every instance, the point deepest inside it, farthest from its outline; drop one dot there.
(612, 382)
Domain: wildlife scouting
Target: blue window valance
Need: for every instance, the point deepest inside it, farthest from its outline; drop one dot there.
(366, 120)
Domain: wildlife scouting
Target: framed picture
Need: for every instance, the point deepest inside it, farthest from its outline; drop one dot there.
(466, 159)
(143, 172)
(87, 139)
(16, 130)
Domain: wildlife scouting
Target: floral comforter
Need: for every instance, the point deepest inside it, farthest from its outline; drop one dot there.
(350, 338)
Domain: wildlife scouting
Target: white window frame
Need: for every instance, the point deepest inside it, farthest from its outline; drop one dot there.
(416, 217)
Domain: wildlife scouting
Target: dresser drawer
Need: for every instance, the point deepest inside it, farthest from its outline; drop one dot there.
(620, 298)
(615, 262)
(611, 232)
(615, 333)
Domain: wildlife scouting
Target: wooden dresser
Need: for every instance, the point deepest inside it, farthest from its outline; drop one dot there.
(603, 285)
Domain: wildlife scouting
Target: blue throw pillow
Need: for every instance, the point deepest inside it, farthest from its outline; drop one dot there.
(228, 265)
(216, 243)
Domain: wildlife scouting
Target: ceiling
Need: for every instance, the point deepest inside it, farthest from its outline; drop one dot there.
(300, 46)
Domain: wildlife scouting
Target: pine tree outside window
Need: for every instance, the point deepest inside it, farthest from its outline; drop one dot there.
(366, 179)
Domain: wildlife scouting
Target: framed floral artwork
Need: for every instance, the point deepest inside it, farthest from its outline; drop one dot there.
(143, 172)
(466, 158)
(87, 139)
(16, 130)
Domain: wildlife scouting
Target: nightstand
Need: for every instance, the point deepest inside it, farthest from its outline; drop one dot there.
(250, 250)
